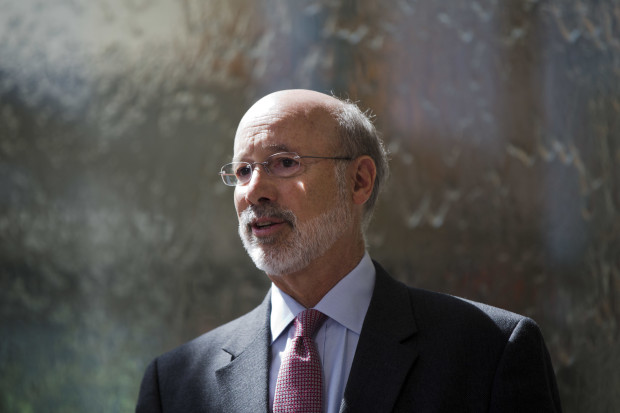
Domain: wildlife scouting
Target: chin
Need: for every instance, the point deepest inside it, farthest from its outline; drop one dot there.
(276, 262)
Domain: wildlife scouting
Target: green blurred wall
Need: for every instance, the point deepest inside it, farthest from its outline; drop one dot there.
(118, 240)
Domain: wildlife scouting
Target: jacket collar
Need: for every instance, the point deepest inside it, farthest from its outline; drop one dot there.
(386, 349)
(249, 364)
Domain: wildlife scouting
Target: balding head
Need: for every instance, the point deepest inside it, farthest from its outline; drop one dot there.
(296, 108)
(298, 100)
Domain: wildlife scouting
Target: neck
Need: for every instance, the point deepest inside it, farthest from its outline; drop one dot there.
(309, 285)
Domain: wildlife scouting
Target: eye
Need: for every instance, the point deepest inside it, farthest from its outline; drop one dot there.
(284, 164)
(243, 170)
(288, 162)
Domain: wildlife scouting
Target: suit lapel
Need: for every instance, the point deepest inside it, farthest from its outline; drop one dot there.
(386, 349)
(244, 382)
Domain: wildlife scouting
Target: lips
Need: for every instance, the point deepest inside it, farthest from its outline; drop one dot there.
(266, 226)
(264, 221)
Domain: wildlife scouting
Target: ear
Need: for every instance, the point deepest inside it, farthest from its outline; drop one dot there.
(364, 174)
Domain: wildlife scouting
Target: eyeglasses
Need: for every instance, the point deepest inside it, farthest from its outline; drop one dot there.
(282, 165)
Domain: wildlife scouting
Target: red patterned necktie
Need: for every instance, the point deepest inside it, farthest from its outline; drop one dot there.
(299, 388)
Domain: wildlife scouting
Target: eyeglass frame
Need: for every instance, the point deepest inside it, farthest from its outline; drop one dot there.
(266, 163)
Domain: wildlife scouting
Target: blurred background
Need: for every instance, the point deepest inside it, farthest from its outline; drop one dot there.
(118, 240)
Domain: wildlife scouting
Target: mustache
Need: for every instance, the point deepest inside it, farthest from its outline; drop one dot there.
(254, 212)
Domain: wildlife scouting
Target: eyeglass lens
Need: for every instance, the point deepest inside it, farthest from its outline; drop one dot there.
(279, 164)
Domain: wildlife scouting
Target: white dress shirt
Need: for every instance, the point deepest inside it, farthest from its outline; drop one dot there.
(345, 305)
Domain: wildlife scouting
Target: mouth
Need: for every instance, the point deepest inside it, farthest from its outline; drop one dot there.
(266, 226)
(264, 222)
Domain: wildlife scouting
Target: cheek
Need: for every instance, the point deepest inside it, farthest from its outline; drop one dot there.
(294, 195)
(299, 188)
(314, 199)
(239, 202)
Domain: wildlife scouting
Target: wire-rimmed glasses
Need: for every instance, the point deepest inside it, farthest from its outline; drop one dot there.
(282, 165)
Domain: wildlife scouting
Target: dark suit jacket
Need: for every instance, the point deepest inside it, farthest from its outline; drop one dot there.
(418, 351)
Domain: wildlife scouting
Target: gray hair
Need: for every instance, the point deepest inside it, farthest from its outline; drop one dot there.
(358, 136)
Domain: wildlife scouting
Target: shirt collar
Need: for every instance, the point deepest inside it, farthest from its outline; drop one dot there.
(346, 303)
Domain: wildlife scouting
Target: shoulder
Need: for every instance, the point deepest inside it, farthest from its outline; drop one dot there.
(456, 311)
(176, 378)
(448, 314)
(498, 356)
(211, 346)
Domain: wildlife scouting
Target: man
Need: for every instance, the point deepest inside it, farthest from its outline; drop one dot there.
(307, 170)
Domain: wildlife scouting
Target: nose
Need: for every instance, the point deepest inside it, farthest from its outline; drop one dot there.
(261, 188)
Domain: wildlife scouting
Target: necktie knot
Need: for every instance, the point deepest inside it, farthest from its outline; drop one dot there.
(307, 322)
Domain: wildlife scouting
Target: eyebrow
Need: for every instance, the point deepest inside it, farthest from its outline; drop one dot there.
(277, 148)
(273, 148)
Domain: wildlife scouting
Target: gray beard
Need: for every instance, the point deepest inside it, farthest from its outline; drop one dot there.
(306, 242)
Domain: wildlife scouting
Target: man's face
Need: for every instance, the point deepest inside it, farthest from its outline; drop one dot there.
(286, 223)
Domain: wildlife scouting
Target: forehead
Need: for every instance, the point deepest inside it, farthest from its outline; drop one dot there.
(276, 128)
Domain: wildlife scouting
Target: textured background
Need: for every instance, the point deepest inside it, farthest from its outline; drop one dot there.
(118, 240)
